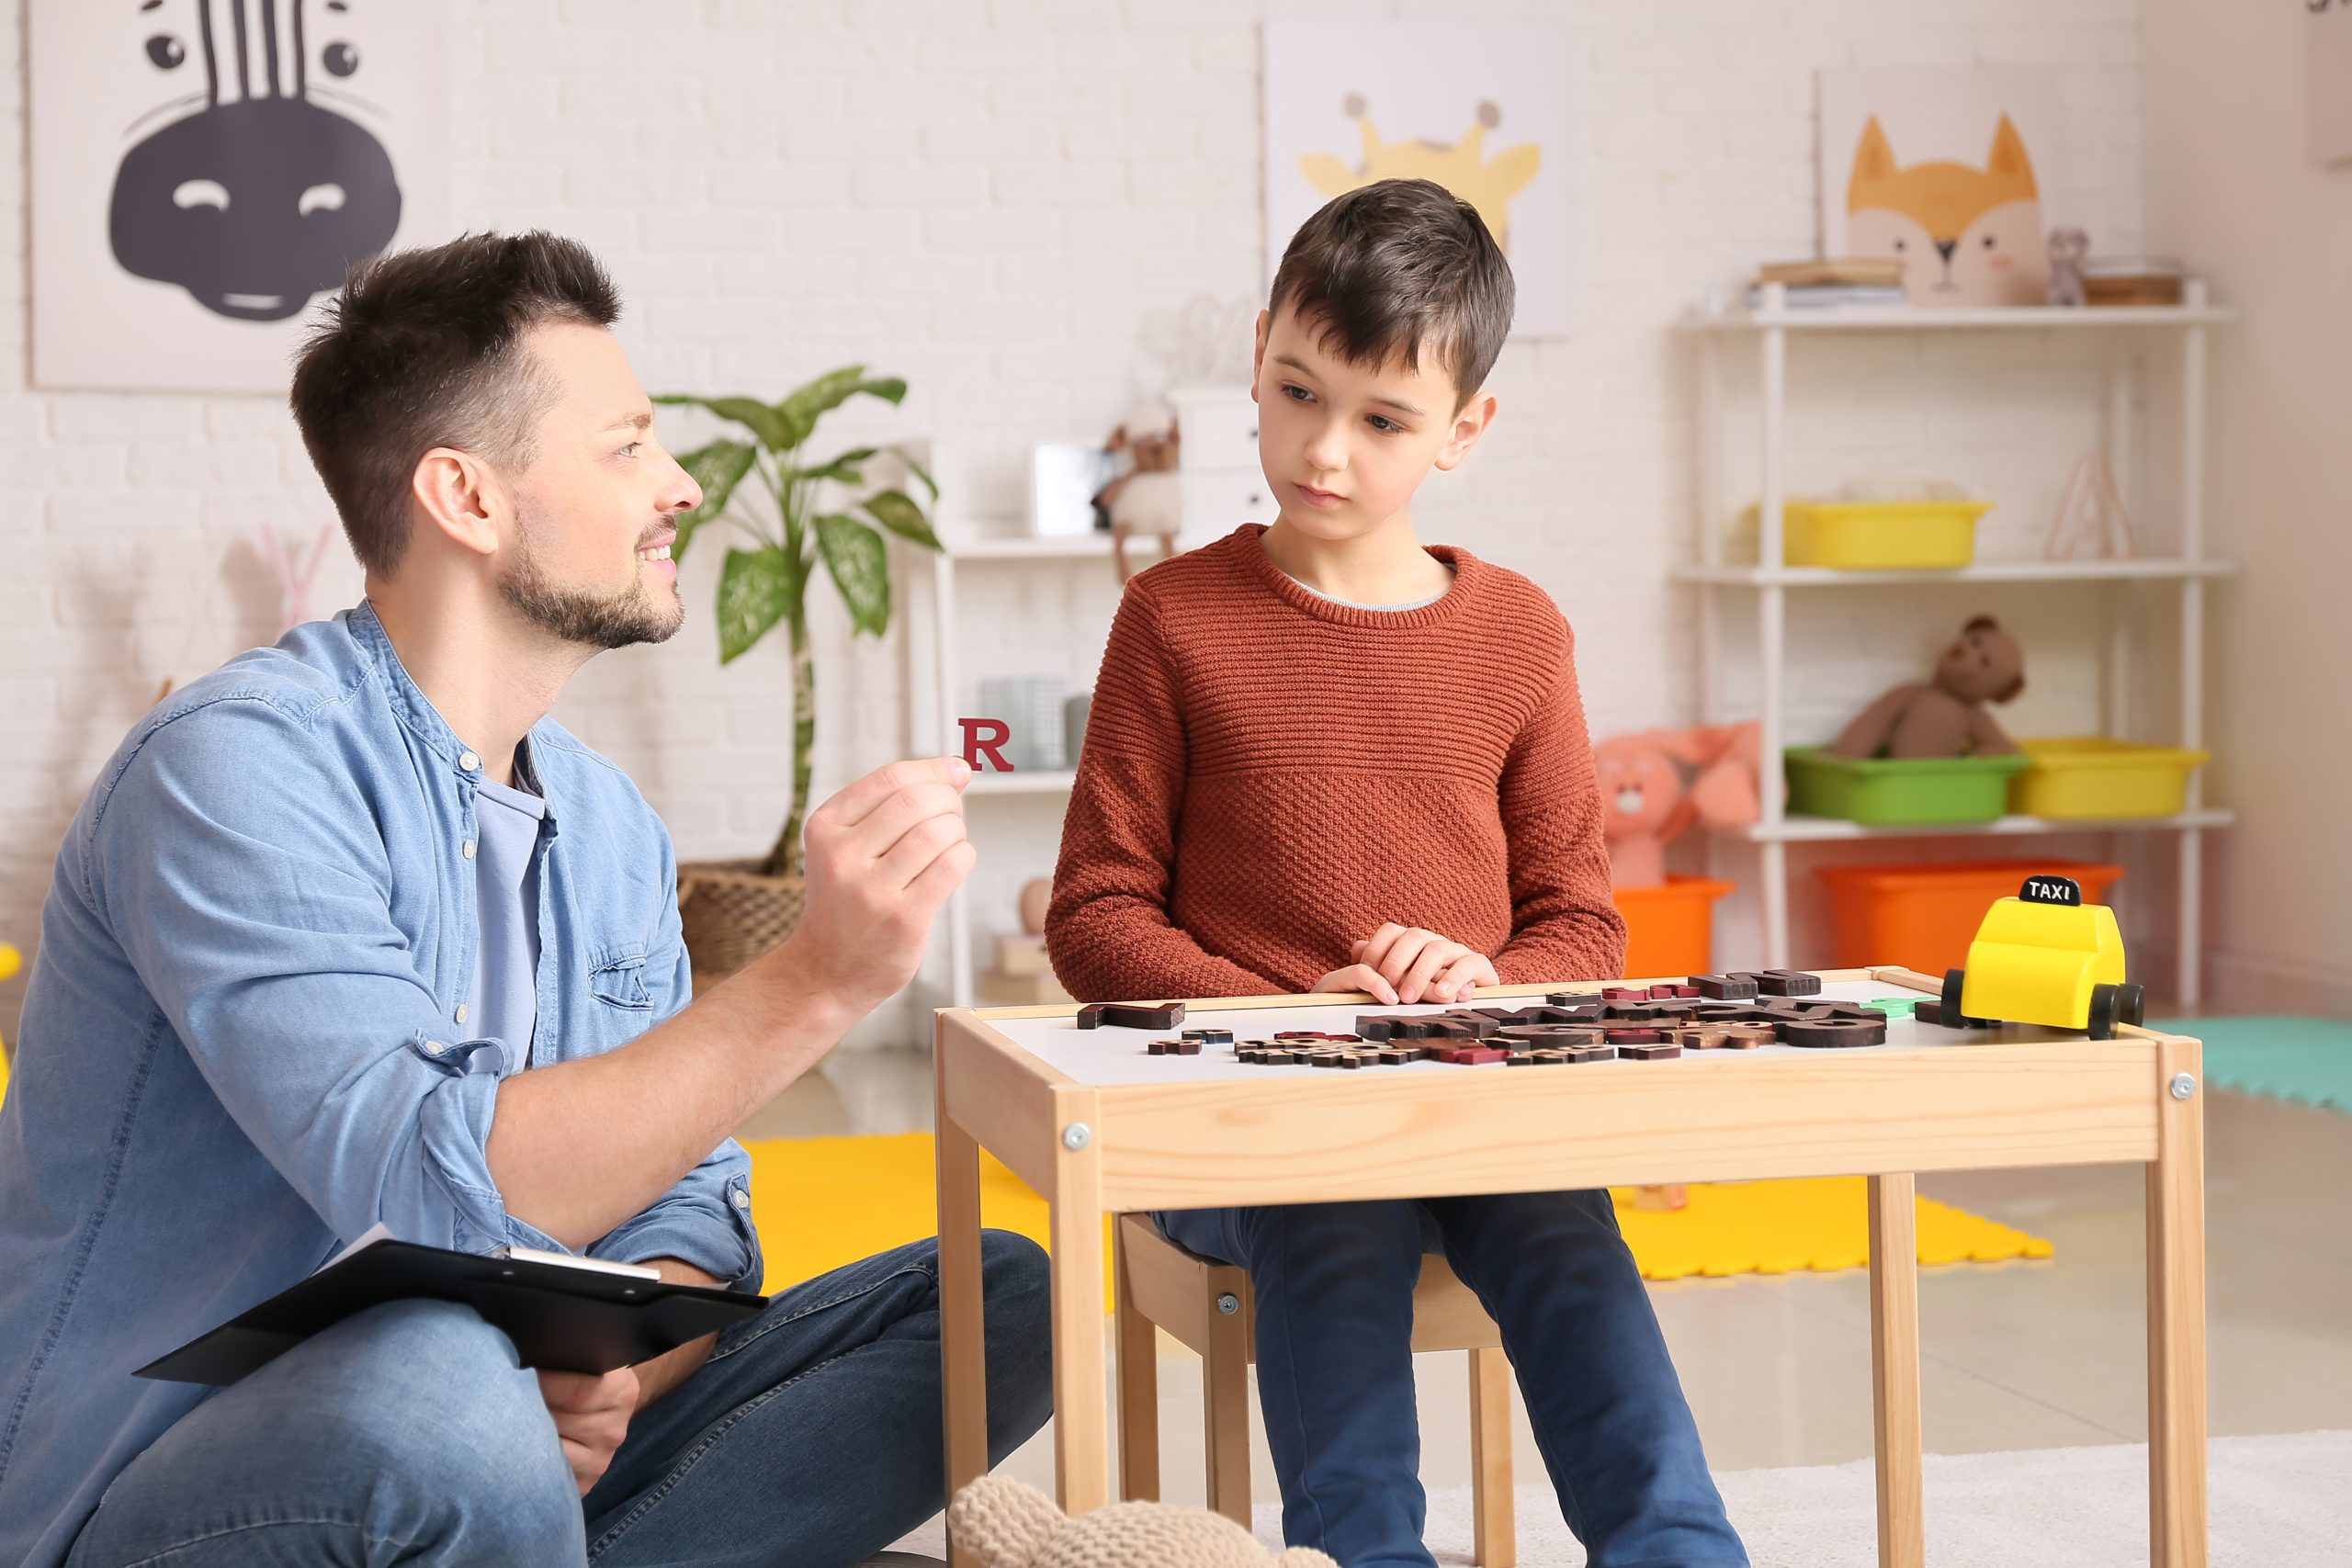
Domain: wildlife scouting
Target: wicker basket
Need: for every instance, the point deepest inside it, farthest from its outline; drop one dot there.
(732, 914)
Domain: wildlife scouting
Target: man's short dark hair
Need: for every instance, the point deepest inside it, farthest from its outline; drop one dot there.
(422, 348)
(1397, 267)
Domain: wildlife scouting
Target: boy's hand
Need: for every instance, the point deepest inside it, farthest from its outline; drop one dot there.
(1413, 964)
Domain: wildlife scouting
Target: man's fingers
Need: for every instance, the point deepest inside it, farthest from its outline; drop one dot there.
(918, 850)
(850, 806)
(944, 875)
(898, 813)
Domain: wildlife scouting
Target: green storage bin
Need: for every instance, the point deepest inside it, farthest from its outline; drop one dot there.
(1887, 792)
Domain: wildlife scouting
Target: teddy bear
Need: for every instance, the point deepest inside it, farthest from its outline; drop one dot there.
(1012, 1525)
(2067, 249)
(1945, 716)
(1643, 801)
(1148, 498)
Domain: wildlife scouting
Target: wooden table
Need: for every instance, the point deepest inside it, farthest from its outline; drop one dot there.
(1097, 1127)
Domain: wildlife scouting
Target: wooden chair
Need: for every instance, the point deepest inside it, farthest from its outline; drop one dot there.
(1207, 1307)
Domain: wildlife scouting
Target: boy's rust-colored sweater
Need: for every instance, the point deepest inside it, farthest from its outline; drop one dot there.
(1269, 774)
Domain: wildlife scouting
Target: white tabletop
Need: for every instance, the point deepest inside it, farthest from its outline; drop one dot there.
(1110, 1055)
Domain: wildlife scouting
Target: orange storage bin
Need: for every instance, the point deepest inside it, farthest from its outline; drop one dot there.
(1923, 917)
(1671, 929)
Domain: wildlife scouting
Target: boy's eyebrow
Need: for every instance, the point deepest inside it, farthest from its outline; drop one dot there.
(1399, 404)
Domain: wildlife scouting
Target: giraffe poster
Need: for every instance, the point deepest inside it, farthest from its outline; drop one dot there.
(203, 171)
(1482, 109)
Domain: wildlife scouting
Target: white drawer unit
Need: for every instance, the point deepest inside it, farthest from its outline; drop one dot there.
(1224, 485)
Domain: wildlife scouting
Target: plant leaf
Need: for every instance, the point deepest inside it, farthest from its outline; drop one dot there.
(717, 469)
(846, 469)
(859, 563)
(921, 473)
(753, 415)
(755, 589)
(896, 511)
(801, 410)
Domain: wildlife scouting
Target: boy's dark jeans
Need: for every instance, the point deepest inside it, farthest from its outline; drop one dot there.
(1334, 1286)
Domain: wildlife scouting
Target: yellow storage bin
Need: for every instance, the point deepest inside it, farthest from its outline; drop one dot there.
(1881, 535)
(2084, 777)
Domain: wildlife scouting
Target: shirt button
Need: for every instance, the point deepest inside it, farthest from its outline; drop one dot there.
(742, 1199)
(461, 1013)
(466, 849)
(469, 762)
(434, 1047)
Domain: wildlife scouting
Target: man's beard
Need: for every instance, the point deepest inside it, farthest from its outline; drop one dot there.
(635, 614)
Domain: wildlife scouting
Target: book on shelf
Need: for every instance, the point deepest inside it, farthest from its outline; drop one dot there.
(1868, 272)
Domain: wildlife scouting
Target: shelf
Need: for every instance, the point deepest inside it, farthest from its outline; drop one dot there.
(2123, 570)
(1815, 830)
(1058, 780)
(1025, 547)
(1906, 318)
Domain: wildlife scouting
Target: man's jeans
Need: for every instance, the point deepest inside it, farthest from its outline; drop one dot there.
(1334, 1287)
(408, 1434)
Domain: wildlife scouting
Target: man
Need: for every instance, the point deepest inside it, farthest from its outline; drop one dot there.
(317, 917)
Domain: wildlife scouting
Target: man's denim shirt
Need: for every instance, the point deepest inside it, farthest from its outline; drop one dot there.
(241, 1050)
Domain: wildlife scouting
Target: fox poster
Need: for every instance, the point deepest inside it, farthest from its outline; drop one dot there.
(1950, 170)
(1480, 108)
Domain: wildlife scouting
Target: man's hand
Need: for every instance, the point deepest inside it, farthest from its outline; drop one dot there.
(592, 1416)
(1406, 963)
(883, 855)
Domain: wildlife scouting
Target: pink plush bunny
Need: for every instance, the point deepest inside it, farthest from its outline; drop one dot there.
(1644, 802)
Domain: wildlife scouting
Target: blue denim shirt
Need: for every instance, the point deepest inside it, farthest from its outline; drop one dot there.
(240, 1047)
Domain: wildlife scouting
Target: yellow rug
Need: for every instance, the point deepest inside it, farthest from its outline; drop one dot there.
(821, 1202)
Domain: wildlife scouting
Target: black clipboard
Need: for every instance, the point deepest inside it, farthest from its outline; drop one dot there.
(561, 1317)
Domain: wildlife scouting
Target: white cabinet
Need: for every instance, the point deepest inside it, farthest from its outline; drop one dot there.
(1223, 484)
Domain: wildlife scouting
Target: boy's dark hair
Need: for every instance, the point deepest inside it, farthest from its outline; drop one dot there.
(422, 348)
(1397, 265)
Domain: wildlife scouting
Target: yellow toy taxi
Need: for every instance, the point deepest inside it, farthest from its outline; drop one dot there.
(2044, 958)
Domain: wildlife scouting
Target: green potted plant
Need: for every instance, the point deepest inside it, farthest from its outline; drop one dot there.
(814, 511)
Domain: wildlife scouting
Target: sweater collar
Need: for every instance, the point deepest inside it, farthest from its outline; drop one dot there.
(1468, 574)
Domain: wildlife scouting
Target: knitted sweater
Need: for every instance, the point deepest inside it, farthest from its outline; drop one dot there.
(1269, 774)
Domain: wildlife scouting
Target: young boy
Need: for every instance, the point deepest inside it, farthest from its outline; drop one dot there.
(1315, 747)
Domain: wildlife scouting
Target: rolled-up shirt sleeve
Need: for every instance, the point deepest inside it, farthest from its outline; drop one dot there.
(242, 872)
(705, 1218)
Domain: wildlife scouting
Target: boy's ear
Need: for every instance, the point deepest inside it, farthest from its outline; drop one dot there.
(1258, 354)
(1468, 426)
(459, 496)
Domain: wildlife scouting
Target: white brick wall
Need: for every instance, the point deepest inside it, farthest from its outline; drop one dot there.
(988, 199)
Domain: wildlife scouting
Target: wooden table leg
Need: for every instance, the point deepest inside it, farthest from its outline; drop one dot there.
(1138, 1374)
(963, 1328)
(1493, 1528)
(2177, 1521)
(1082, 1381)
(1894, 1368)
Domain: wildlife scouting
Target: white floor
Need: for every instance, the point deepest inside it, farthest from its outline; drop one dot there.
(2027, 1356)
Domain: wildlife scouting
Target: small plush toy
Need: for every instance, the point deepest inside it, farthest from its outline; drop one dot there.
(2067, 249)
(1148, 498)
(1946, 716)
(1643, 801)
(1010, 1525)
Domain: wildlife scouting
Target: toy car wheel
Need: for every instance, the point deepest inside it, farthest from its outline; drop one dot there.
(2131, 1004)
(1949, 1013)
(2106, 1010)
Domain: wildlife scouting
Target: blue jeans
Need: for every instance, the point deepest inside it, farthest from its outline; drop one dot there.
(1334, 1287)
(812, 1437)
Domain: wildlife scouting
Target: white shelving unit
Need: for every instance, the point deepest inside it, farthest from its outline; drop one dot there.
(935, 712)
(1767, 329)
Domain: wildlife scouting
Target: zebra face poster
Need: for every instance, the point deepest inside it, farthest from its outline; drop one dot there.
(204, 171)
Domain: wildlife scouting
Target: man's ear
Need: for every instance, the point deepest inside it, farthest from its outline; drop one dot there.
(460, 496)
(1258, 354)
(1468, 426)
